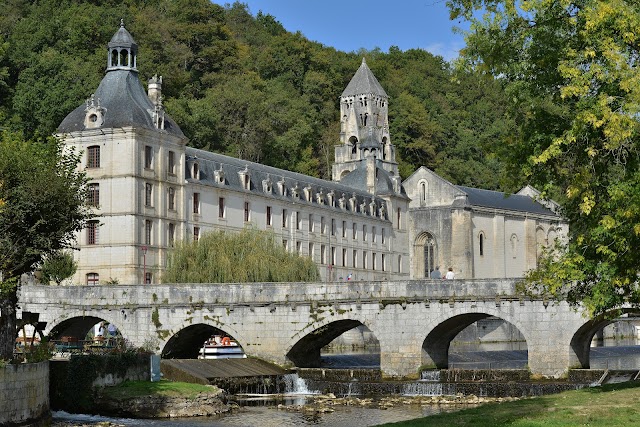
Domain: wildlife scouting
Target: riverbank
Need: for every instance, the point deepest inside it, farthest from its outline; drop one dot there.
(609, 405)
(162, 399)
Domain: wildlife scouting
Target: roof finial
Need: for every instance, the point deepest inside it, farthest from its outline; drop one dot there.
(122, 22)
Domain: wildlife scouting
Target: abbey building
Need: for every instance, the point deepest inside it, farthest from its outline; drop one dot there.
(152, 190)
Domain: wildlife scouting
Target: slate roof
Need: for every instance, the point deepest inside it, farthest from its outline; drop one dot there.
(209, 162)
(364, 81)
(357, 178)
(499, 200)
(126, 104)
(122, 38)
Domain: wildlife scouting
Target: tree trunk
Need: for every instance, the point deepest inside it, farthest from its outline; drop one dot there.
(8, 325)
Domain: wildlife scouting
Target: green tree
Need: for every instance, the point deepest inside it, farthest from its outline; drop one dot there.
(57, 267)
(249, 255)
(572, 75)
(42, 205)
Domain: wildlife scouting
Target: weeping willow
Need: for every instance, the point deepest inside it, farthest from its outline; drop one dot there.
(247, 256)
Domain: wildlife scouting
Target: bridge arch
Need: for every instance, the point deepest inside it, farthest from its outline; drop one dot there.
(78, 325)
(187, 341)
(305, 351)
(581, 340)
(435, 347)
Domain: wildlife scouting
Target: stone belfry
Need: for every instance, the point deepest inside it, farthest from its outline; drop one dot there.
(364, 125)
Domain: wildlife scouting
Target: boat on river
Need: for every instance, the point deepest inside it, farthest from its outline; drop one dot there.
(221, 347)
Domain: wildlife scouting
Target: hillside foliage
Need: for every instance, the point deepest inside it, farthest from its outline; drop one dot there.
(238, 83)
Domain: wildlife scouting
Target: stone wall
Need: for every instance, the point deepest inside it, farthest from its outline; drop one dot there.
(24, 393)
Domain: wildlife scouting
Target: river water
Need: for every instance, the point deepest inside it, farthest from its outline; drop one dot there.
(263, 412)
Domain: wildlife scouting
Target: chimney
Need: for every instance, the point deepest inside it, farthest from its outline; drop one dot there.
(155, 89)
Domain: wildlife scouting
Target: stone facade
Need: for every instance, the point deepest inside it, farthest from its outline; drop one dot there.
(151, 190)
(24, 394)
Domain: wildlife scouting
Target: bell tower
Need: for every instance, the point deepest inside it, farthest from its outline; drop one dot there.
(364, 125)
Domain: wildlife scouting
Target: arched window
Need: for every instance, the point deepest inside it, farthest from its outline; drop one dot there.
(93, 279)
(423, 192)
(514, 245)
(481, 243)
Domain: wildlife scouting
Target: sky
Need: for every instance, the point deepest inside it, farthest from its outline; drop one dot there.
(350, 25)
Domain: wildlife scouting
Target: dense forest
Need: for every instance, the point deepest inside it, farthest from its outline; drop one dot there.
(238, 83)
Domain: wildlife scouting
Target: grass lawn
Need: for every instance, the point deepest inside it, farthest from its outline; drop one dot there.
(131, 389)
(610, 405)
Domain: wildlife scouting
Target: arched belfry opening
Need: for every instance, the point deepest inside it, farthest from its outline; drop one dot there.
(122, 51)
(425, 255)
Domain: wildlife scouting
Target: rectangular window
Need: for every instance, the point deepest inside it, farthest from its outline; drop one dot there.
(148, 194)
(364, 232)
(93, 198)
(93, 157)
(384, 262)
(147, 278)
(333, 256)
(221, 210)
(364, 259)
(373, 234)
(344, 229)
(355, 259)
(333, 227)
(196, 171)
(246, 212)
(284, 218)
(374, 257)
(93, 279)
(172, 163)
(382, 237)
(172, 234)
(269, 216)
(147, 232)
(92, 232)
(312, 226)
(172, 199)
(298, 220)
(148, 157)
(399, 263)
(355, 231)
(285, 245)
(323, 226)
(344, 257)
(196, 203)
(398, 218)
(299, 248)
(196, 234)
(323, 254)
(311, 250)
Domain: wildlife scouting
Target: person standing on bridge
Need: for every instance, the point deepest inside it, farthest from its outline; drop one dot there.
(435, 274)
(450, 274)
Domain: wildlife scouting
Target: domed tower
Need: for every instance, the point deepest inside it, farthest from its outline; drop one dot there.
(133, 154)
(364, 125)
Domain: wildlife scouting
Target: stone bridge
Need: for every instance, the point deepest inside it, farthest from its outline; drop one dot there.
(288, 323)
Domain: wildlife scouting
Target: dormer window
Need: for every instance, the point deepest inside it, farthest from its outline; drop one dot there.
(331, 198)
(307, 193)
(219, 175)
(94, 113)
(320, 197)
(295, 191)
(282, 189)
(267, 185)
(342, 202)
(372, 208)
(245, 178)
(195, 170)
(353, 203)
